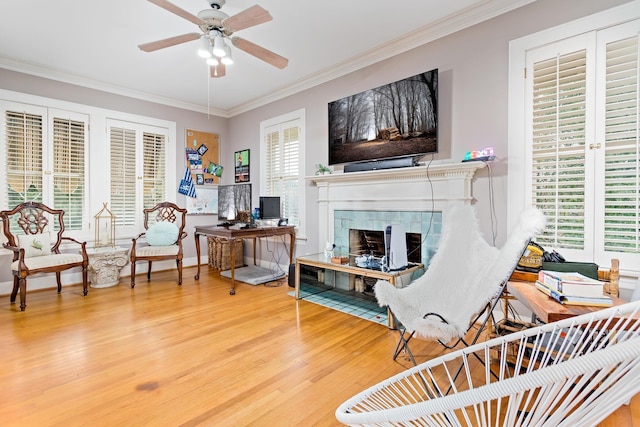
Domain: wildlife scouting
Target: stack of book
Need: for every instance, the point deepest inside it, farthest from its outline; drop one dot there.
(572, 288)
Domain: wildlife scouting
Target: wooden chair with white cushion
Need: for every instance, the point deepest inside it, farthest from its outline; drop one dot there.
(34, 234)
(164, 231)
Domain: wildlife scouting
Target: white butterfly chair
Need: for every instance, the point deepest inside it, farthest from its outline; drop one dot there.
(462, 284)
(572, 372)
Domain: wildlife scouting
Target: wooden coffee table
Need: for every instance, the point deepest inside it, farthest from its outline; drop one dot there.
(545, 308)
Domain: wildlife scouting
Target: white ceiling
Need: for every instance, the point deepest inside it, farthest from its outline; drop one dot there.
(94, 44)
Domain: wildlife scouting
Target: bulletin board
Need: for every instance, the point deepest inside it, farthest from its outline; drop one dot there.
(203, 157)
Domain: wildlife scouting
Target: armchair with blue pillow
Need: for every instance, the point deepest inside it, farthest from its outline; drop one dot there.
(162, 239)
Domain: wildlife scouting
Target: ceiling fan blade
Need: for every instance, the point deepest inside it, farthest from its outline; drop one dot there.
(171, 41)
(247, 18)
(177, 10)
(218, 70)
(260, 52)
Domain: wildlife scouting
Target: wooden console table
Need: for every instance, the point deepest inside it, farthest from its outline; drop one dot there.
(231, 234)
(319, 260)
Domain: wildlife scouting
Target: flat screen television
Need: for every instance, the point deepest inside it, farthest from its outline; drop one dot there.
(269, 207)
(399, 119)
(234, 203)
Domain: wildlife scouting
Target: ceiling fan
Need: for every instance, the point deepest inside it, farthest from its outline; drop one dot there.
(216, 27)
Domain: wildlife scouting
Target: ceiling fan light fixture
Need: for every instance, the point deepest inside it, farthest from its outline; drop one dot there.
(213, 61)
(219, 47)
(227, 59)
(205, 44)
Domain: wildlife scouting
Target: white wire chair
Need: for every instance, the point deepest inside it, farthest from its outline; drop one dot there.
(575, 371)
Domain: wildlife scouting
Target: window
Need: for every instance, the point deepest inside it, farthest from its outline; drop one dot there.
(76, 157)
(282, 149)
(45, 152)
(576, 155)
(136, 151)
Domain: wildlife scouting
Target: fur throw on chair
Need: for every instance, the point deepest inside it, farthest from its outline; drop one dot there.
(463, 276)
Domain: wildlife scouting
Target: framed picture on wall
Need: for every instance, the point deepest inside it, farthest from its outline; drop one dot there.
(241, 163)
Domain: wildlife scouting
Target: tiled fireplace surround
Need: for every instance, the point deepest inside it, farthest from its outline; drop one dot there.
(373, 199)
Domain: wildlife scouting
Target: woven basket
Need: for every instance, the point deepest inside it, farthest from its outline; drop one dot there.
(531, 261)
(219, 255)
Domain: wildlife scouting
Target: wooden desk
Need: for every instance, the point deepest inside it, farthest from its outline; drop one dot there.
(231, 234)
(546, 308)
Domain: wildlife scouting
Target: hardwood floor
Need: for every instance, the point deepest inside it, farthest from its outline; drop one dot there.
(166, 355)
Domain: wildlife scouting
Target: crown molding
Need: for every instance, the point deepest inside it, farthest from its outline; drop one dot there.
(475, 14)
(464, 19)
(57, 75)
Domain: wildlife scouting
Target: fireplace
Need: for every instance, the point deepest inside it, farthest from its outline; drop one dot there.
(355, 229)
(416, 197)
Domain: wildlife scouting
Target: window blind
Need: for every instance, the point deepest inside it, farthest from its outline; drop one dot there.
(69, 170)
(24, 157)
(154, 173)
(622, 152)
(290, 170)
(558, 147)
(123, 175)
(282, 172)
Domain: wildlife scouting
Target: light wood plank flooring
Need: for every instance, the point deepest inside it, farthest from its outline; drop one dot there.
(166, 355)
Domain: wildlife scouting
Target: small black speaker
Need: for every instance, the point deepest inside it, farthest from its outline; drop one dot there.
(399, 162)
(292, 275)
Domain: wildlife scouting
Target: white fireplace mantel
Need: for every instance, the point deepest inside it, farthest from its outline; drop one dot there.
(418, 188)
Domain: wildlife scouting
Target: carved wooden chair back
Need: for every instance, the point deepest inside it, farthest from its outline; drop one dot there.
(167, 212)
(33, 218)
(34, 234)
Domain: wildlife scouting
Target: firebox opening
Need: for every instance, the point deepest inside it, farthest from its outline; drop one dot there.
(371, 242)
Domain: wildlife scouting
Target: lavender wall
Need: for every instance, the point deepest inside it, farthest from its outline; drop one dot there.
(473, 66)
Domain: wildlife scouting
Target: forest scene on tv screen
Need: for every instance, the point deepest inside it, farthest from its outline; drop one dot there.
(397, 119)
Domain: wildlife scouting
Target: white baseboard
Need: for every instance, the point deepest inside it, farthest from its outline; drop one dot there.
(74, 276)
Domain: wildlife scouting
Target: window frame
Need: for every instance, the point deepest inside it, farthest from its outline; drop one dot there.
(297, 115)
(139, 130)
(519, 168)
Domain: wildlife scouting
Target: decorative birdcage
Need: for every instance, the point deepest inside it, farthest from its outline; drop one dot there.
(105, 228)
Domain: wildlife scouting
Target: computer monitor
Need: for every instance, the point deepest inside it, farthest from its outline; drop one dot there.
(269, 207)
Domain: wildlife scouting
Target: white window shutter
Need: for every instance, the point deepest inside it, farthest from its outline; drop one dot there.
(618, 209)
(622, 180)
(290, 171)
(69, 189)
(282, 149)
(154, 171)
(272, 161)
(123, 175)
(24, 157)
(558, 147)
